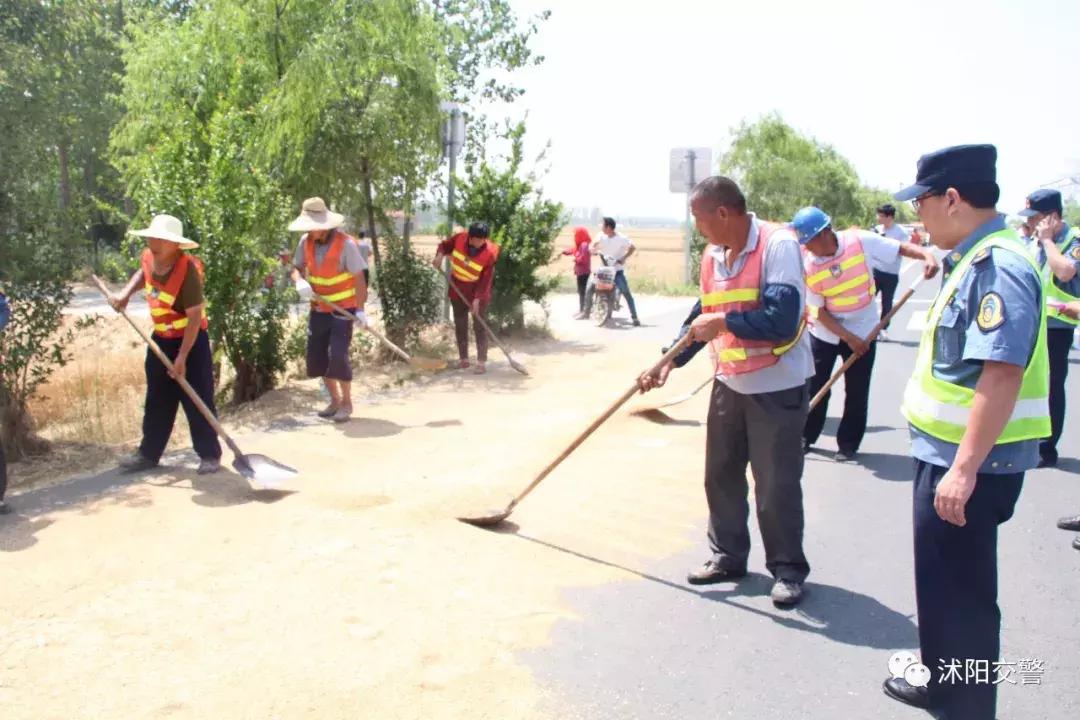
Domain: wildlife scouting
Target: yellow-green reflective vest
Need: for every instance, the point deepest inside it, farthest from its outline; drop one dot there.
(1053, 292)
(941, 409)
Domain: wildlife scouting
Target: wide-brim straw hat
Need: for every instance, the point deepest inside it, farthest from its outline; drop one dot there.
(314, 215)
(166, 227)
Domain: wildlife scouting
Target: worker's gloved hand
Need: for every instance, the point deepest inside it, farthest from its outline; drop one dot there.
(361, 317)
(304, 289)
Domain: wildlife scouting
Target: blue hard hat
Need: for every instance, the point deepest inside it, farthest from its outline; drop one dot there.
(808, 222)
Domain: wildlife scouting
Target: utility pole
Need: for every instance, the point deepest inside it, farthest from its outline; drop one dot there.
(453, 137)
(687, 167)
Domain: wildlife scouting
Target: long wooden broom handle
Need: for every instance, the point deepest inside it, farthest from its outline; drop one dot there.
(345, 314)
(476, 315)
(630, 392)
(184, 384)
(868, 339)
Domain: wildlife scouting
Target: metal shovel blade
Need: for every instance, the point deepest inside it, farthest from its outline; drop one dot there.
(493, 518)
(518, 366)
(266, 471)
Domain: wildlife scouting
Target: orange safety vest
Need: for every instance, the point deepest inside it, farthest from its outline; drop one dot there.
(845, 282)
(162, 296)
(740, 293)
(326, 277)
(467, 269)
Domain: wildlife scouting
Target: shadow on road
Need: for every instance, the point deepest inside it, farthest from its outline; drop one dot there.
(843, 616)
(364, 427)
(17, 531)
(884, 466)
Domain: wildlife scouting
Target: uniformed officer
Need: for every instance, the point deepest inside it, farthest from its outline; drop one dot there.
(752, 312)
(1057, 250)
(977, 404)
(840, 271)
(173, 281)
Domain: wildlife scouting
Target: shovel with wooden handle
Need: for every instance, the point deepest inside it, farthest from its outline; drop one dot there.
(494, 517)
(421, 363)
(253, 466)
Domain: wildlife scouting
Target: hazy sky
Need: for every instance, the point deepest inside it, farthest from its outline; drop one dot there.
(625, 82)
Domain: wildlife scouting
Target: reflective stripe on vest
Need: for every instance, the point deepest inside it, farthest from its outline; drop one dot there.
(467, 269)
(326, 277)
(846, 283)
(161, 296)
(740, 293)
(942, 409)
(1053, 292)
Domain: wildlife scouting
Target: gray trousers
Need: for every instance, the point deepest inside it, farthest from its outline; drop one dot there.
(766, 431)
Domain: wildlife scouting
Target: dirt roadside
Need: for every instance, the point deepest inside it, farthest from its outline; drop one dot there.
(352, 592)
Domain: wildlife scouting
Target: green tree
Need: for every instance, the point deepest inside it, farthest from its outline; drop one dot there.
(1071, 212)
(524, 224)
(781, 170)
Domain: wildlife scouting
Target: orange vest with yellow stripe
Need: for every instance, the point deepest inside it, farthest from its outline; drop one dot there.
(467, 269)
(844, 282)
(740, 293)
(326, 278)
(161, 296)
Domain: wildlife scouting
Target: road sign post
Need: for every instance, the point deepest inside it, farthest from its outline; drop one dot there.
(688, 166)
(453, 138)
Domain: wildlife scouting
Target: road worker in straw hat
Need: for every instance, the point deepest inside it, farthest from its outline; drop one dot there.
(173, 281)
(331, 262)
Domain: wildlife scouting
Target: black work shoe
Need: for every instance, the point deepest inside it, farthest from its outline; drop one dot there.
(1076, 542)
(637, 323)
(5, 509)
(844, 456)
(787, 592)
(136, 462)
(209, 466)
(1046, 462)
(713, 572)
(1070, 523)
(805, 447)
(900, 689)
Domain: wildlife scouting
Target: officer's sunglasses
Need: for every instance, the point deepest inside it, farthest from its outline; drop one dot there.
(917, 202)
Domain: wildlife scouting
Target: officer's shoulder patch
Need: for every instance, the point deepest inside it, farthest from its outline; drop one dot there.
(981, 255)
(955, 258)
(991, 312)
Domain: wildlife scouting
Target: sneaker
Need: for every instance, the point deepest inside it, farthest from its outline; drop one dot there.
(136, 462)
(342, 415)
(209, 466)
(713, 572)
(328, 411)
(844, 456)
(5, 509)
(479, 369)
(463, 364)
(786, 592)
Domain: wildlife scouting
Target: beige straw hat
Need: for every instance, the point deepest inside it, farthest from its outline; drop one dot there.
(166, 227)
(315, 216)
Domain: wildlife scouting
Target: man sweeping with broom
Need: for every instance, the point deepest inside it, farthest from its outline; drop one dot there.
(173, 281)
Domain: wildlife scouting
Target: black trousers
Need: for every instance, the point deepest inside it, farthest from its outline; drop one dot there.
(164, 396)
(762, 430)
(886, 285)
(582, 283)
(461, 330)
(856, 393)
(956, 585)
(1058, 342)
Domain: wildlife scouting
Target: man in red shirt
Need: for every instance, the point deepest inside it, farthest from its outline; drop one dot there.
(472, 271)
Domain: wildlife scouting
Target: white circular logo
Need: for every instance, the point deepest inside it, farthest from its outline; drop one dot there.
(901, 661)
(917, 675)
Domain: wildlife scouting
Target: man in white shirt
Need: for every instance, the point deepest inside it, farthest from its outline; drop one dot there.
(887, 277)
(835, 264)
(751, 311)
(616, 248)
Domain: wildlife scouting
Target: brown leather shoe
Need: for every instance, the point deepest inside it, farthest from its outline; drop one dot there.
(713, 572)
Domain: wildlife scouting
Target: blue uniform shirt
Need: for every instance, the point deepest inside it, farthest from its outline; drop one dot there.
(961, 346)
(1072, 252)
